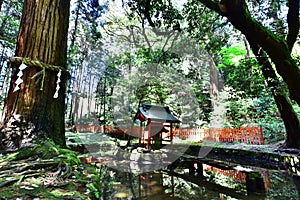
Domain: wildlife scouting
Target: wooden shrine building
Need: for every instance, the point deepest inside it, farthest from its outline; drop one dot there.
(158, 119)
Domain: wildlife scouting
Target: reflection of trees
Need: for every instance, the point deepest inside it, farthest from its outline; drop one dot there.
(182, 185)
(161, 185)
(282, 186)
(208, 188)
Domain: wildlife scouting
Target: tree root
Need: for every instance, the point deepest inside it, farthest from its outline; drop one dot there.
(19, 179)
(36, 161)
(45, 171)
(17, 173)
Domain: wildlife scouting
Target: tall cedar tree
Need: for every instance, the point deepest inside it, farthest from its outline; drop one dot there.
(32, 113)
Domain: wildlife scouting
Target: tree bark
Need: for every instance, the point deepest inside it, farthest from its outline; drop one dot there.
(31, 113)
(215, 87)
(215, 84)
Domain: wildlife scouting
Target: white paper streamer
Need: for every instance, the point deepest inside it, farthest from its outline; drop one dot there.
(57, 84)
(20, 74)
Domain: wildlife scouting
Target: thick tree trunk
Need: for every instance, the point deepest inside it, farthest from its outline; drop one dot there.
(32, 112)
(288, 115)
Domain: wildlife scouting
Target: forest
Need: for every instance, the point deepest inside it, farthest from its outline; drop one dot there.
(106, 99)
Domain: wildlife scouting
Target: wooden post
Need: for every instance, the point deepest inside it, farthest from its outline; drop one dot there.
(253, 132)
(140, 133)
(149, 135)
(140, 185)
(199, 170)
(262, 135)
(148, 180)
(191, 168)
(171, 131)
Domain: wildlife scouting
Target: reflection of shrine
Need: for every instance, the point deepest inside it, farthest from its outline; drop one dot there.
(152, 185)
(158, 122)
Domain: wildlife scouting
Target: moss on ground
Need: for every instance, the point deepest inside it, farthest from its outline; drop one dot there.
(44, 171)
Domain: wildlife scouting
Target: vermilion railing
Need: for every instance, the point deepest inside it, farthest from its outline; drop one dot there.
(249, 135)
(88, 129)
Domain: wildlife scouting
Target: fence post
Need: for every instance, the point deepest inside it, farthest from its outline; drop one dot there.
(253, 131)
(262, 136)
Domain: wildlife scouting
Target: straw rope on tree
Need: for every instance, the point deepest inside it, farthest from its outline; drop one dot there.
(35, 63)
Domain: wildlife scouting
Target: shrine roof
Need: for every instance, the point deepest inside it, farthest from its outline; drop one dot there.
(155, 113)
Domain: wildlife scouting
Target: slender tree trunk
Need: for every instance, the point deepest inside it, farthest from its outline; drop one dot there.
(215, 84)
(2, 58)
(215, 87)
(32, 112)
(73, 68)
(2, 67)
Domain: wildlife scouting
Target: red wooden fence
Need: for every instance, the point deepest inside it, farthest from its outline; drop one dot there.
(249, 135)
(89, 128)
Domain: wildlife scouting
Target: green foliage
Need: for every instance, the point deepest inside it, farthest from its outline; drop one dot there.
(159, 14)
(99, 182)
(269, 118)
(274, 130)
(243, 74)
(296, 109)
(270, 14)
(158, 76)
(10, 15)
(232, 55)
(282, 187)
(104, 91)
(224, 180)
(205, 26)
(246, 98)
(241, 110)
(238, 110)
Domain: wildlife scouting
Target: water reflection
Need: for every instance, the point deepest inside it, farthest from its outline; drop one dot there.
(202, 181)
